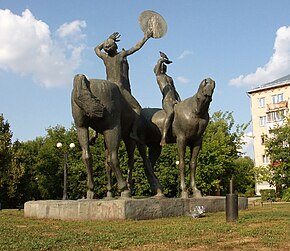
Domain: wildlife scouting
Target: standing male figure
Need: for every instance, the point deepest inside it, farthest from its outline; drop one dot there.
(169, 93)
(117, 70)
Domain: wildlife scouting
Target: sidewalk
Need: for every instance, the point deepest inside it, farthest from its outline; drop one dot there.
(252, 199)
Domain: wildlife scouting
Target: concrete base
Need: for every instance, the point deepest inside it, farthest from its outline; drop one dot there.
(136, 209)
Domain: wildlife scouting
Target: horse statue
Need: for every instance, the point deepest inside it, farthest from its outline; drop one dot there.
(190, 121)
(99, 104)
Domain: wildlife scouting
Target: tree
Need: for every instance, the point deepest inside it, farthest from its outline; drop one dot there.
(5, 145)
(244, 176)
(34, 169)
(219, 161)
(76, 173)
(25, 157)
(278, 149)
(220, 149)
(168, 172)
(5, 158)
(15, 173)
(99, 170)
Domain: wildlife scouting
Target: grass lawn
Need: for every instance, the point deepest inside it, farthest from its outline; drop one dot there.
(259, 228)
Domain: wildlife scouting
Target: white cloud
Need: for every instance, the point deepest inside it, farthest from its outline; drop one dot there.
(182, 79)
(28, 48)
(277, 66)
(248, 147)
(185, 53)
(71, 29)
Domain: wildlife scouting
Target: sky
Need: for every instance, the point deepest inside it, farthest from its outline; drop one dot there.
(43, 44)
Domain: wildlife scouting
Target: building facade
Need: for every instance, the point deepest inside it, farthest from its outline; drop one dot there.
(269, 105)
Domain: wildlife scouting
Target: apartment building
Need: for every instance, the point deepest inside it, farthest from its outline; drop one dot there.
(269, 105)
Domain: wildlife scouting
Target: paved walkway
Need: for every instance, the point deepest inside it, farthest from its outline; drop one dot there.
(251, 199)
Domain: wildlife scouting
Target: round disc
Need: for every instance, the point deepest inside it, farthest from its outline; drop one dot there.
(151, 20)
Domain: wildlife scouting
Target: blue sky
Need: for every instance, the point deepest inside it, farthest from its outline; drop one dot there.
(43, 44)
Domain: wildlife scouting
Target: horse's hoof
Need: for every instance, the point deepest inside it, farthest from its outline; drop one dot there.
(196, 193)
(159, 196)
(184, 195)
(90, 195)
(126, 194)
(123, 185)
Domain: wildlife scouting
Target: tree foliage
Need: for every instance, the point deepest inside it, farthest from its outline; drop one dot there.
(34, 169)
(5, 157)
(220, 151)
(168, 172)
(5, 146)
(244, 176)
(278, 149)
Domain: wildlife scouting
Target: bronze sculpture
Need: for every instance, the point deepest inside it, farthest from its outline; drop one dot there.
(189, 123)
(109, 124)
(115, 124)
(170, 97)
(117, 70)
(108, 107)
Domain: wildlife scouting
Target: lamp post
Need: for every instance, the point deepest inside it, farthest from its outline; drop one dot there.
(65, 155)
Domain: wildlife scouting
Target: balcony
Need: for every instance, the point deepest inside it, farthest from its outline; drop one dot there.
(273, 125)
(277, 106)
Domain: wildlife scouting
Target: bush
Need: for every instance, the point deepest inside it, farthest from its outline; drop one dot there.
(286, 195)
(250, 192)
(268, 194)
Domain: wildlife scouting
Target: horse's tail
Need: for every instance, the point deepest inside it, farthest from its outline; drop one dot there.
(83, 97)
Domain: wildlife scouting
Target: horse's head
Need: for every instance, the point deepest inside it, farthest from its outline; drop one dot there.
(206, 87)
(204, 95)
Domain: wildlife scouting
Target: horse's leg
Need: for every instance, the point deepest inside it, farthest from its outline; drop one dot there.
(154, 153)
(148, 169)
(181, 147)
(112, 139)
(109, 175)
(83, 136)
(192, 166)
(130, 147)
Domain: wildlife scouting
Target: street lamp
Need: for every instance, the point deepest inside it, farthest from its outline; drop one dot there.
(59, 145)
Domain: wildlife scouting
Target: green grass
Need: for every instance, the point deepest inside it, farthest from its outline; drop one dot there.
(258, 228)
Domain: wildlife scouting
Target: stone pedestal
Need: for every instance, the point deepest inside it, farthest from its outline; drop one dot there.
(136, 209)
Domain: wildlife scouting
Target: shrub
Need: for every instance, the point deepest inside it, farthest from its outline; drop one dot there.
(268, 194)
(250, 192)
(286, 195)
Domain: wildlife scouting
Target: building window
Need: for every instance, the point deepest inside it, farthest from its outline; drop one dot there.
(261, 102)
(277, 98)
(263, 120)
(276, 116)
(265, 159)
